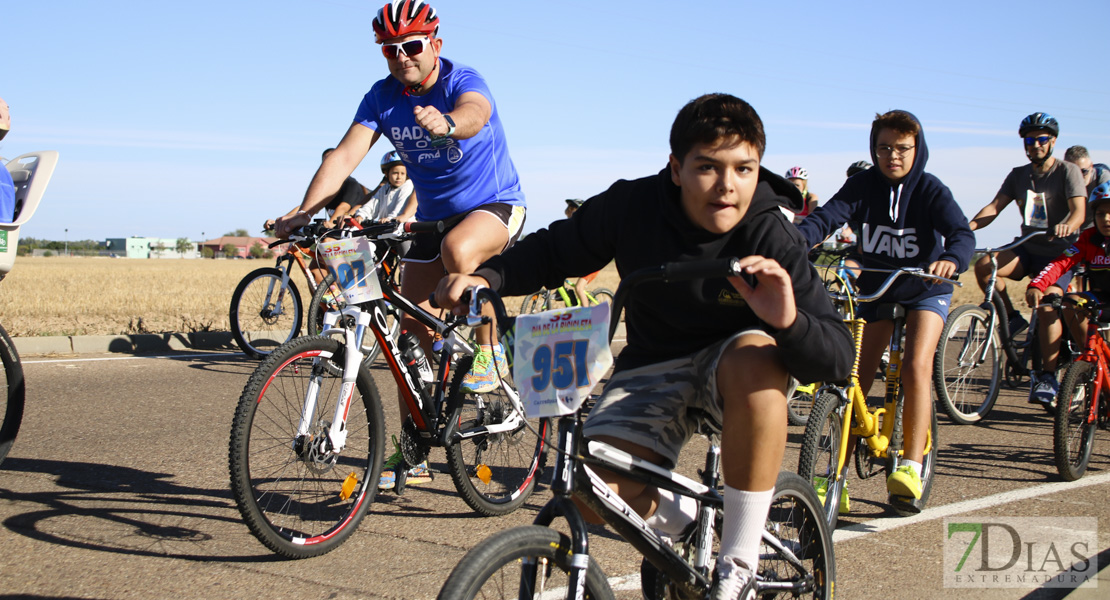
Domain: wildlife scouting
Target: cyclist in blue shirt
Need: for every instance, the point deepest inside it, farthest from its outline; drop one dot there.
(441, 118)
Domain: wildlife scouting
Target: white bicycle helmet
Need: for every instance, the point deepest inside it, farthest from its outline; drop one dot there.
(797, 173)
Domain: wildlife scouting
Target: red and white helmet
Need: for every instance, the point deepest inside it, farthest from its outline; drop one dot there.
(403, 17)
(797, 173)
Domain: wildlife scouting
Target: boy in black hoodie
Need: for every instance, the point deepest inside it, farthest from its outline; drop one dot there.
(908, 219)
(722, 346)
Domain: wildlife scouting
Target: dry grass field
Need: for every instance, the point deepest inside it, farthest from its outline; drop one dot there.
(102, 296)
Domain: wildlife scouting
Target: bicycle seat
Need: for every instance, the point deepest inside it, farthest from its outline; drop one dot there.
(890, 310)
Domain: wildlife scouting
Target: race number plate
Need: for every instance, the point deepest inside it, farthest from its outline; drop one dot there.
(560, 355)
(352, 262)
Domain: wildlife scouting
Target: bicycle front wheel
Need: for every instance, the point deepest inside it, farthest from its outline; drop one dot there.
(264, 314)
(820, 454)
(12, 394)
(1074, 434)
(967, 367)
(524, 562)
(497, 461)
(299, 495)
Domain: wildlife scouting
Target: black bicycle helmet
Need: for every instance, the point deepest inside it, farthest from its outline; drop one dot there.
(858, 167)
(1039, 121)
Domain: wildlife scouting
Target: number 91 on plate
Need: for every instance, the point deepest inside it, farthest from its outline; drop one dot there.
(559, 356)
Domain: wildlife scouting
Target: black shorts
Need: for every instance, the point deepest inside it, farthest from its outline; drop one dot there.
(425, 247)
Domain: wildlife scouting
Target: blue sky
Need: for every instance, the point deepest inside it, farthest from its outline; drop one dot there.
(175, 119)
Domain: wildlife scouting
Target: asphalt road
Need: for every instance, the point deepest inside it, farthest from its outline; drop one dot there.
(117, 487)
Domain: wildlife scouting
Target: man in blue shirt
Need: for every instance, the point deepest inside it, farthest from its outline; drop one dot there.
(443, 121)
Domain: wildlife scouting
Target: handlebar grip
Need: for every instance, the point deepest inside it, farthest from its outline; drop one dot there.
(424, 227)
(705, 269)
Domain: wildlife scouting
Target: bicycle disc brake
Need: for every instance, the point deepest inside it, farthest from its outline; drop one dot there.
(315, 450)
(414, 451)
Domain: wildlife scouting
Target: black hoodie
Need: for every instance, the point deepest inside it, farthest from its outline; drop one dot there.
(642, 224)
(910, 224)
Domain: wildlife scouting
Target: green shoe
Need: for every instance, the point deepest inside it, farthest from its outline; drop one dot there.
(821, 484)
(904, 482)
(845, 501)
(482, 377)
(388, 479)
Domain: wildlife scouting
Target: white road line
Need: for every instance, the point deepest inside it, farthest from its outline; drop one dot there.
(72, 360)
(880, 525)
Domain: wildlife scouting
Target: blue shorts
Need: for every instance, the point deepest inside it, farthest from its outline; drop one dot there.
(934, 304)
(1033, 264)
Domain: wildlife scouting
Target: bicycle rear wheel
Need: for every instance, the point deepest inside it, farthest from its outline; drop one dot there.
(820, 454)
(299, 496)
(12, 394)
(797, 521)
(602, 296)
(902, 506)
(264, 315)
(495, 470)
(1073, 434)
(967, 367)
(799, 405)
(524, 562)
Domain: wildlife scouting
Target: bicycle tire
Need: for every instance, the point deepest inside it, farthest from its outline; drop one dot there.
(534, 303)
(1073, 436)
(320, 305)
(967, 389)
(255, 328)
(13, 394)
(602, 296)
(495, 567)
(902, 506)
(820, 453)
(797, 520)
(494, 473)
(297, 497)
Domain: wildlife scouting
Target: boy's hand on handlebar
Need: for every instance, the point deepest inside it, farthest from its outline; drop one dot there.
(1033, 297)
(450, 290)
(772, 300)
(943, 268)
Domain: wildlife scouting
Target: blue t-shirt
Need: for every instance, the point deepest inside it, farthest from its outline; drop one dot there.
(456, 177)
(7, 196)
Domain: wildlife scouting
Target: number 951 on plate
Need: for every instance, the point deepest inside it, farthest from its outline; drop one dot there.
(560, 355)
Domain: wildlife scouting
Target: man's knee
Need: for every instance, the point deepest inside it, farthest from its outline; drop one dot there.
(752, 364)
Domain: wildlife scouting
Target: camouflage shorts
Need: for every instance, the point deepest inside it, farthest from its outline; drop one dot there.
(660, 406)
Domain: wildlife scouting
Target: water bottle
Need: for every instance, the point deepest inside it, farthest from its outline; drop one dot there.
(414, 356)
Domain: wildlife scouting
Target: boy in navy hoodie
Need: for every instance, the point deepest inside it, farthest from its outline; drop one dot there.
(907, 218)
(724, 347)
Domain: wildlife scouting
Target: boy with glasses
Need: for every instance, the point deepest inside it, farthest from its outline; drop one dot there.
(907, 218)
(722, 347)
(1051, 195)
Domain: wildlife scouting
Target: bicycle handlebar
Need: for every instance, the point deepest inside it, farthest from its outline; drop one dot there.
(390, 230)
(1013, 244)
(895, 274)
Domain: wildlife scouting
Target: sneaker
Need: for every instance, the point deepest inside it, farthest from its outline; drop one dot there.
(732, 581)
(418, 474)
(482, 377)
(821, 484)
(1017, 324)
(1043, 389)
(905, 482)
(501, 361)
(388, 479)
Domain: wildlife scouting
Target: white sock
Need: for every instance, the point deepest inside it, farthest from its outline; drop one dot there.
(745, 514)
(916, 466)
(674, 514)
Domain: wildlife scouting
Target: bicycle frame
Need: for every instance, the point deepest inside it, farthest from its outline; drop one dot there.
(1097, 353)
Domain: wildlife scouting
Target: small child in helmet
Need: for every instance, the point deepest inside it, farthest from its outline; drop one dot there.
(1091, 249)
(800, 178)
(395, 198)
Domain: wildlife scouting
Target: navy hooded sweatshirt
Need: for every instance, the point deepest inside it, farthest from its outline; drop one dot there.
(912, 223)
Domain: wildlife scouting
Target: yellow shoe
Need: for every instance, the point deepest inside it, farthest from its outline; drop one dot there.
(845, 501)
(904, 482)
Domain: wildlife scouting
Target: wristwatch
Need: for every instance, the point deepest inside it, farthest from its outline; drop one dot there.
(450, 125)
